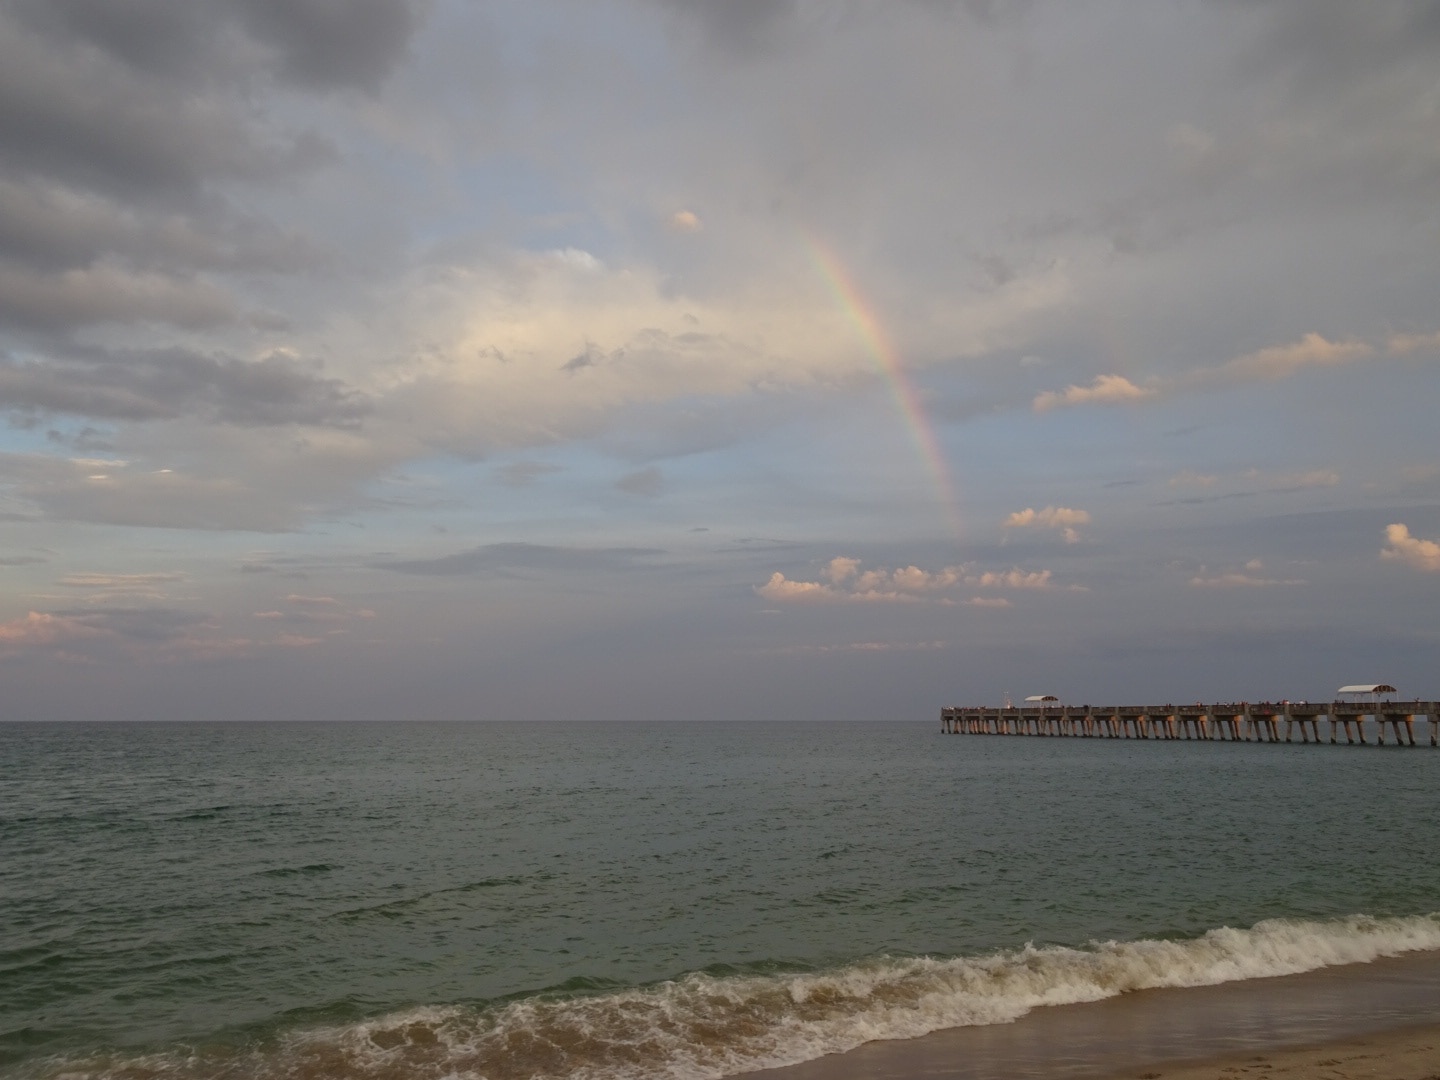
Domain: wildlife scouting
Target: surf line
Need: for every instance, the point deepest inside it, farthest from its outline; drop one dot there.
(887, 358)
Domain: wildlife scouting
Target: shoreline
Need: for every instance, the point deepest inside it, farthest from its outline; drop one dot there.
(1368, 1021)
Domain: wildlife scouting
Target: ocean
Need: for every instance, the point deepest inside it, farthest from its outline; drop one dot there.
(610, 900)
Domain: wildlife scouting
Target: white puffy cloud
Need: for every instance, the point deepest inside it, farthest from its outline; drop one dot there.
(780, 588)
(1410, 550)
(1063, 519)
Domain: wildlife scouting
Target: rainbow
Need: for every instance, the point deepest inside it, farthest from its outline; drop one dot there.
(887, 358)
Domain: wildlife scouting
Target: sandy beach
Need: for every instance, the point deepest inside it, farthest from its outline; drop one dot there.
(1406, 1054)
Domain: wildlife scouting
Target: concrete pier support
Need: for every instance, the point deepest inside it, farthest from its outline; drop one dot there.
(1351, 718)
(1401, 723)
(1194, 725)
(1261, 723)
(1228, 722)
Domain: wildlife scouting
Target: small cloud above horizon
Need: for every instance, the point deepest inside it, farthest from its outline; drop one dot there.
(685, 221)
(1104, 390)
(1062, 519)
(1411, 550)
(844, 581)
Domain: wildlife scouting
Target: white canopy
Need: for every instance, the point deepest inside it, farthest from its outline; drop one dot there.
(1042, 697)
(1367, 688)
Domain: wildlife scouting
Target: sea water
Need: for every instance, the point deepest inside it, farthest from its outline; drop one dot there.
(642, 900)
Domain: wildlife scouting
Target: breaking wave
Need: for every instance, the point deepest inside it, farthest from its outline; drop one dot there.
(704, 1026)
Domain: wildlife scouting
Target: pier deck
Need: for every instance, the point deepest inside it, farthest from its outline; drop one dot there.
(1229, 722)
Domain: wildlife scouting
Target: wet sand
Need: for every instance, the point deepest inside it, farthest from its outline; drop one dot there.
(1363, 1021)
(1408, 1054)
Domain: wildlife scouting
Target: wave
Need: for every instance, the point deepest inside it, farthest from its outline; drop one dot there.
(705, 1026)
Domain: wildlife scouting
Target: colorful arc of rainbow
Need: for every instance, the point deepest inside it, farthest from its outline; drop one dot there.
(872, 333)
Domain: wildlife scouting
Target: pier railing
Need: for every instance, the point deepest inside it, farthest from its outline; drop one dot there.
(1225, 722)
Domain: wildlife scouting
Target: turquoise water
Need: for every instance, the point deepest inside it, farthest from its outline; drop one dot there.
(636, 900)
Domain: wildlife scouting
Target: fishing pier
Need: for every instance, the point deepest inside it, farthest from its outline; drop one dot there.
(1232, 722)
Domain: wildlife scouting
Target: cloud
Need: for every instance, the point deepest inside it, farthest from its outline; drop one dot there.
(647, 483)
(1105, 390)
(739, 27)
(110, 294)
(1250, 577)
(149, 624)
(52, 228)
(1269, 364)
(1283, 361)
(780, 588)
(524, 473)
(39, 628)
(1061, 518)
(116, 634)
(846, 582)
(1404, 344)
(1192, 479)
(1015, 578)
(591, 346)
(324, 43)
(589, 357)
(1314, 478)
(989, 602)
(172, 383)
(201, 202)
(312, 43)
(507, 560)
(227, 477)
(296, 641)
(864, 647)
(1052, 517)
(1410, 550)
(68, 490)
(1255, 482)
(108, 119)
(297, 608)
(102, 587)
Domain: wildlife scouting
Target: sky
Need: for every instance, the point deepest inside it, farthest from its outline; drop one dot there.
(714, 359)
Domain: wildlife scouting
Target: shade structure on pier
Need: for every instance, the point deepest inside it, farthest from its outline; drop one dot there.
(1042, 697)
(1367, 688)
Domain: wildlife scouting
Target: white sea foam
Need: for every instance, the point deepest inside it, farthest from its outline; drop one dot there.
(701, 1026)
